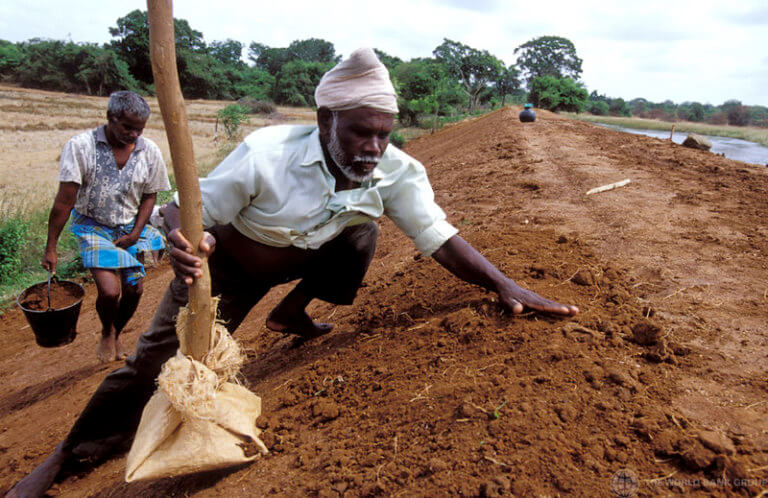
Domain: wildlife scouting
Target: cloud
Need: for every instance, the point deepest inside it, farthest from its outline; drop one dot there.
(473, 5)
(752, 16)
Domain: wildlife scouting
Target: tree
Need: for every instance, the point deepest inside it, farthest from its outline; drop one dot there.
(202, 76)
(418, 81)
(103, 72)
(691, 111)
(254, 51)
(758, 115)
(558, 94)
(638, 106)
(507, 81)
(737, 114)
(597, 107)
(269, 59)
(313, 50)
(273, 59)
(227, 52)
(425, 88)
(618, 107)
(72, 67)
(296, 82)
(10, 57)
(548, 56)
(474, 69)
(255, 83)
(132, 44)
(390, 61)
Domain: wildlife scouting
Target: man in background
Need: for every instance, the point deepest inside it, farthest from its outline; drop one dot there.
(110, 176)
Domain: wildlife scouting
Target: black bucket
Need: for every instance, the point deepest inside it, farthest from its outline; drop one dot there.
(53, 327)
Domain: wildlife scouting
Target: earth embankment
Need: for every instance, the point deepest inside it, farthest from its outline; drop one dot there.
(427, 387)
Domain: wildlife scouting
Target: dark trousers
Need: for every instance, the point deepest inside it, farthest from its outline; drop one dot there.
(332, 273)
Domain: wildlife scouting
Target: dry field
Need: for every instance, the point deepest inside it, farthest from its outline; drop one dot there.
(35, 124)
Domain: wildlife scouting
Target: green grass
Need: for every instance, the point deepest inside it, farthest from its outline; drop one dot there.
(23, 235)
(751, 134)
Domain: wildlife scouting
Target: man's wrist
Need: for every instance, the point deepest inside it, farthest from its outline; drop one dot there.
(503, 284)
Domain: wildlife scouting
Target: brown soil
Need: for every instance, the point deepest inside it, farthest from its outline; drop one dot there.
(427, 387)
(62, 295)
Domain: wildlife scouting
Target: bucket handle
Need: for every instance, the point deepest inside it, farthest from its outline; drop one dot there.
(55, 280)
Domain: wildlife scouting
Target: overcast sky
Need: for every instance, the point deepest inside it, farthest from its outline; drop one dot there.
(682, 50)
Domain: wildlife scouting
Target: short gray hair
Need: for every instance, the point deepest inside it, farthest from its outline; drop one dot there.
(127, 102)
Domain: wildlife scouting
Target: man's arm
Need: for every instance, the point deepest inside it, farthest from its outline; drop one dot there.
(463, 260)
(145, 211)
(185, 263)
(62, 206)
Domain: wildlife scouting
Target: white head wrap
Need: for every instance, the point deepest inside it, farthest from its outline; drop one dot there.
(361, 80)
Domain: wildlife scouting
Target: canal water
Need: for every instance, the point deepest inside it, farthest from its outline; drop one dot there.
(732, 148)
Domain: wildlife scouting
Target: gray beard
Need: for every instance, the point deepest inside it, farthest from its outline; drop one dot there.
(340, 158)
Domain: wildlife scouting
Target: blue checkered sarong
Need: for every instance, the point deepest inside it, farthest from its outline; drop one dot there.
(97, 248)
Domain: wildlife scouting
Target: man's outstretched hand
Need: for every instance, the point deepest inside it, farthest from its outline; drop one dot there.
(463, 260)
(516, 299)
(186, 265)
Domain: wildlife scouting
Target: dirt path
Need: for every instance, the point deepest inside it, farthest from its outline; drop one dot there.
(426, 387)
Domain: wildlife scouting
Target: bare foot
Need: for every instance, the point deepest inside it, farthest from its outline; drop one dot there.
(106, 351)
(40, 479)
(297, 324)
(121, 352)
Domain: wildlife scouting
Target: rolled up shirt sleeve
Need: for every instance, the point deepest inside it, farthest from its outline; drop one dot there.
(228, 188)
(410, 203)
(158, 179)
(74, 163)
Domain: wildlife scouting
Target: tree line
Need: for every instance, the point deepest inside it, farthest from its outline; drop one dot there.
(455, 80)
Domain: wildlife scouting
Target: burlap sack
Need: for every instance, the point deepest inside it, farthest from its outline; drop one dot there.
(197, 421)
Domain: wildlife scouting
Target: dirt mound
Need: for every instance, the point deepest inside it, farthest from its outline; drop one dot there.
(427, 387)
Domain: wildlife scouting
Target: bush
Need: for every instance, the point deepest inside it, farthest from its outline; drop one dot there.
(13, 238)
(598, 108)
(718, 118)
(558, 94)
(231, 117)
(255, 106)
(397, 139)
(738, 116)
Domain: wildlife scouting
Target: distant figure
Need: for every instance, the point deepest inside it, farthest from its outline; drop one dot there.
(111, 176)
(528, 115)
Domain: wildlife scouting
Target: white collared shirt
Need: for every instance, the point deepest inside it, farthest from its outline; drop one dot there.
(275, 188)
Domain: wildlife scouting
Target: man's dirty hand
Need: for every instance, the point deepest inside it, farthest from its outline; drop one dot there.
(517, 299)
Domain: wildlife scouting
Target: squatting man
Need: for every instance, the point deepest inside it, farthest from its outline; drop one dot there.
(291, 202)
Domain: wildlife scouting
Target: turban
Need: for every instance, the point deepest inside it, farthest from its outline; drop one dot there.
(358, 81)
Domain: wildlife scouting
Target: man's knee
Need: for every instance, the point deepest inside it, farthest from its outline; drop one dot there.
(135, 289)
(363, 237)
(108, 293)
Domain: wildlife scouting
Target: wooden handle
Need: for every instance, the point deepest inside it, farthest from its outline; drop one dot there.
(163, 53)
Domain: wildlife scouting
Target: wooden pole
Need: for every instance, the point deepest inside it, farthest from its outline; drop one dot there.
(163, 54)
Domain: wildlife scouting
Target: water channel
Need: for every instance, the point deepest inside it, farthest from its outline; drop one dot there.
(732, 148)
